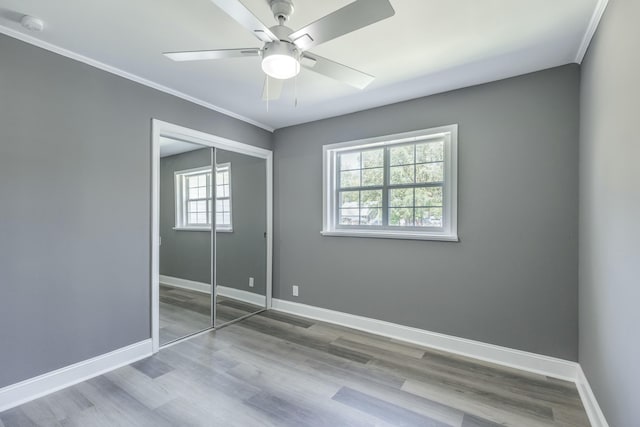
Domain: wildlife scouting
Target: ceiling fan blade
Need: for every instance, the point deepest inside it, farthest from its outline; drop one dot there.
(239, 12)
(352, 17)
(272, 88)
(201, 55)
(336, 71)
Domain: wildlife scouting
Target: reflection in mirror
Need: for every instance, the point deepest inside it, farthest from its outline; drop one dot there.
(185, 239)
(241, 244)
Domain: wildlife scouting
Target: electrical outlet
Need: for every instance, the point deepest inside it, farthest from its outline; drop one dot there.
(295, 290)
(251, 282)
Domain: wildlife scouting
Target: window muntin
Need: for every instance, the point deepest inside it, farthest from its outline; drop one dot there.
(194, 198)
(397, 186)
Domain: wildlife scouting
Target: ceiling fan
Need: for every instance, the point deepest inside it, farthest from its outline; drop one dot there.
(285, 50)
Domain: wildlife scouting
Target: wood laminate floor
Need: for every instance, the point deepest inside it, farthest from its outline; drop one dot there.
(183, 312)
(279, 370)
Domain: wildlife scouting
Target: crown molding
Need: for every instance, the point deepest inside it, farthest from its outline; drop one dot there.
(591, 29)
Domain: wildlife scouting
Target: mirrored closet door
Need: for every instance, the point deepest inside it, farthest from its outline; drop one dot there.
(241, 244)
(211, 222)
(186, 241)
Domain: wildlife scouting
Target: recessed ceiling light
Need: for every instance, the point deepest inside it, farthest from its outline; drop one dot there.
(32, 23)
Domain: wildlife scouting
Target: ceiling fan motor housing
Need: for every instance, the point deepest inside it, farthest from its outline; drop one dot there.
(282, 9)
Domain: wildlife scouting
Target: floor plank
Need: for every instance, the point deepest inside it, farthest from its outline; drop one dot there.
(275, 369)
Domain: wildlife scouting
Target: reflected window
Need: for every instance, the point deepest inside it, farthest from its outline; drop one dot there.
(194, 196)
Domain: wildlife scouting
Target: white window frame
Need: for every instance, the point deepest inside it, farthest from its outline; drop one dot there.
(449, 229)
(222, 167)
(181, 201)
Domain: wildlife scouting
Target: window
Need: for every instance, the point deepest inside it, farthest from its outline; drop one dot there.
(398, 186)
(194, 196)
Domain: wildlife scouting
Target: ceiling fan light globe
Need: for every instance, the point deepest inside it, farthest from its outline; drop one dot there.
(280, 66)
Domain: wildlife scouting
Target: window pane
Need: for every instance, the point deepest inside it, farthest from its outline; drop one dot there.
(193, 193)
(402, 197)
(429, 196)
(371, 198)
(192, 207)
(218, 205)
(202, 206)
(430, 172)
(373, 158)
(350, 179)
(402, 155)
(430, 152)
(429, 217)
(349, 199)
(401, 174)
(350, 161)
(222, 178)
(192, 182)
(401, 217)
(202, 192)
(202, 218)
(193, 218)
(219, 218)
(226, 206)
(223, 191)
(372, 177)
(349, 216)
(371, 216)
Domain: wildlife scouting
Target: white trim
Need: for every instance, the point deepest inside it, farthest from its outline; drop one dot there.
(449, 231)
(129, 76)
(169, 130)
(241, 295)
(33, 388)
(591, 30)
(388, 234)
(518, 359)
(225, 291)
(591, 406)
(192, 285)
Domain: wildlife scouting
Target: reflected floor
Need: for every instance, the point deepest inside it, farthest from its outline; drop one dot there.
(229, 309)
(183, 312)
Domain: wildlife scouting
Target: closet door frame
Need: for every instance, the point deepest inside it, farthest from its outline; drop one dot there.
(160, 129)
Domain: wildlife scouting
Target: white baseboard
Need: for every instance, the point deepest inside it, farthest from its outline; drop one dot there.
(225, 291)
(531, 362)
(241, 295)
(177, 282)
(33, 388)
(596, 417)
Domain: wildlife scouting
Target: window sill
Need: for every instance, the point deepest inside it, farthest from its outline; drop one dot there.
(223, 230)
(385, 234)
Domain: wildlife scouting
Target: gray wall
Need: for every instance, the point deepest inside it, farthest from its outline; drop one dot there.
(183, 254)
(610, 214)
(240, 254)
(75, 251)
(512, 280)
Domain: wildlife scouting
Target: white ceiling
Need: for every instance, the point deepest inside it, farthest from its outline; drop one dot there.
(429, 46)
